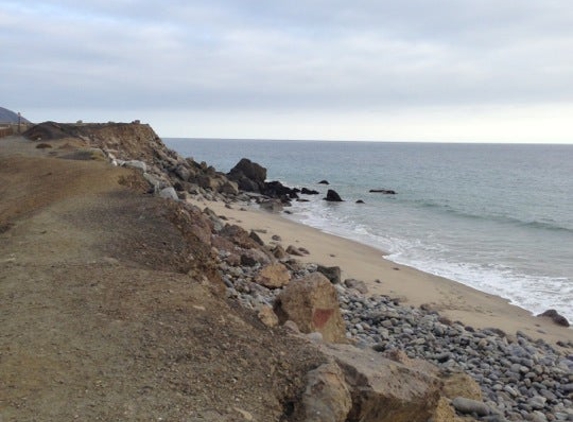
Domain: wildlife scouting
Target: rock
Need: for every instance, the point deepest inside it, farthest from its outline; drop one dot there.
(273, 276)
(253, 235)
(332, 273)
(276, 189)
(326, 398)
(272, 205)
(323, 182)
(332, 196)
(469, 406)
(360, 286)
(293, 250)
(249, 176)
(360, 201)
(229, 188)
(136, 164)
(238, 236)
(460, 384)
(253, 257)
(383, 390)
(312, 303)
(279, 253)
(168, 193)
(444, 412)
(555, 317)
(183, 172)
(384, 191)
(268, 317)
(306, 191)
(315, 337)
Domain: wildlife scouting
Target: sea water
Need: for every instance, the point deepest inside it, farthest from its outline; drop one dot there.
(496, 217)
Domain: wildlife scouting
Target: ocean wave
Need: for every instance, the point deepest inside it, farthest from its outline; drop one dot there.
(533, 293)
(549, 224)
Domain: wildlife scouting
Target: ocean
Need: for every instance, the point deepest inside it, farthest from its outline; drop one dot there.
(496, 217)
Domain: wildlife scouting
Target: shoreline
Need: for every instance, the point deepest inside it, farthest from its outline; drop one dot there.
(413, 287)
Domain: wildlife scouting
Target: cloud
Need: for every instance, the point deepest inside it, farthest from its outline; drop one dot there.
(319, 56)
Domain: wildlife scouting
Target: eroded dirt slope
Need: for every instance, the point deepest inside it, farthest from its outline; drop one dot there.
(99, 319)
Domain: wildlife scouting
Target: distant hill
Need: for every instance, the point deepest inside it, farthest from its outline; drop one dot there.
(8, 116)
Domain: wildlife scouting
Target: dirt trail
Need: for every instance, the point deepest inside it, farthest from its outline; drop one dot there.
(98, 321)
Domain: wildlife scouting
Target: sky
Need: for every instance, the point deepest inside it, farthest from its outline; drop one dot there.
(410, 70)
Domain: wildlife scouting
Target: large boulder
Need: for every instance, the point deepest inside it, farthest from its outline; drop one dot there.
(383, 390)
(250, 176)
(312, 303)
(326, 398)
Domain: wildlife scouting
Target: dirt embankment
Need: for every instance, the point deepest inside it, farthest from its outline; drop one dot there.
(100, 317)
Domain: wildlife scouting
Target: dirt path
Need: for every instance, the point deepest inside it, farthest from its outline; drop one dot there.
(98, 321)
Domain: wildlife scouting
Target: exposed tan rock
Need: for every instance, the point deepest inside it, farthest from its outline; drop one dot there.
(268, 317)
(312, 303)
(326, 398)
(383, 390)
(444, 412)
(273, 276)
(460, 384)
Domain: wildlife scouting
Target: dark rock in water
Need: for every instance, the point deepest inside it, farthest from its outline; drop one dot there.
(360, 201)
(384, 191)
(276, 189)
(333, 196)
(556, 317)
(250, 176)
(323, 182)
(306, 191)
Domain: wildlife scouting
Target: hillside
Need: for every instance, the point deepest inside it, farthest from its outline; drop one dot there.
(8, 116)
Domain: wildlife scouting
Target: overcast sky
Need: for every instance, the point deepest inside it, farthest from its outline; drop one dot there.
(435, 70)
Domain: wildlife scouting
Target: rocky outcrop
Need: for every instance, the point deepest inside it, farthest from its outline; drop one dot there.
(249, 176)
(137, 145)
(312, 303)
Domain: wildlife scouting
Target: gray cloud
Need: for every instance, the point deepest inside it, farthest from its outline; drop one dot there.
(317, 55)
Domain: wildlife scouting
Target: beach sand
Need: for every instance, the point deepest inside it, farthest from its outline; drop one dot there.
(454, 300)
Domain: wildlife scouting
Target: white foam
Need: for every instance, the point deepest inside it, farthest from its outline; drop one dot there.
(533, 293)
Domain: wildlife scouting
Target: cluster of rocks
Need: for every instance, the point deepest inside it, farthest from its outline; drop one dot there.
(520, 378)
(525, 379)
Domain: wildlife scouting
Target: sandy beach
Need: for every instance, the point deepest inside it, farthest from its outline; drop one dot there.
(413, 287)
